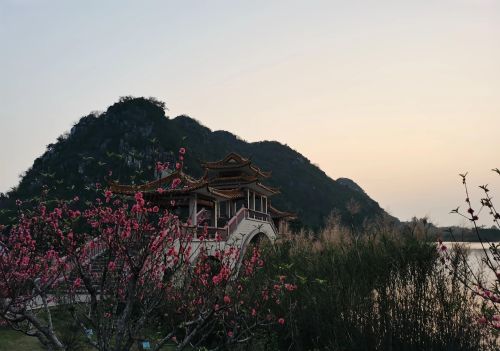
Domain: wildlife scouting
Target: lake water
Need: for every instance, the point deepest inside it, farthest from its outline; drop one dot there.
(476, 257)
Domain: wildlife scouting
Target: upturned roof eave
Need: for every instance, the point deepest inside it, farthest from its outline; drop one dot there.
(240, 162)
(154, 185)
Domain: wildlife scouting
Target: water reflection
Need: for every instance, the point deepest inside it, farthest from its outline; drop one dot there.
(476, 259)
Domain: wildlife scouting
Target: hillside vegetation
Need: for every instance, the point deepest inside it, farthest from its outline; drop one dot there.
(134, 133)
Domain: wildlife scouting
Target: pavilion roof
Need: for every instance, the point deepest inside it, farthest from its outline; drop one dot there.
(202, 189)
(242, 179)
(187, 183)
(275, 213)
(228, 193)
(232, 161)
(267, 188)
(218, 187)
(186, 186)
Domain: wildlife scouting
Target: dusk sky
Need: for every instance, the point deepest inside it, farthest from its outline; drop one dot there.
(399, 96)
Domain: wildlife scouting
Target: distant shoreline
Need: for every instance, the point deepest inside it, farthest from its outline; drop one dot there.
(474, 245)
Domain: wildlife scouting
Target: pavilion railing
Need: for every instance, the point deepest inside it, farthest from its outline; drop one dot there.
(208, 233)
(202, 215)
(232, 224)
(236, 220)
(261, 216)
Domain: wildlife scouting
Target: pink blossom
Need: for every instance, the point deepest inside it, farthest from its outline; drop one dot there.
(182, 151)
(25, 260)
(175, 183)
(159, 167)
(74, 214)
(58, 212)
(482, 320)
(77, 283)
(139, 200)
(116, 231)
(265, 295)
(281, 321)
(107, 195)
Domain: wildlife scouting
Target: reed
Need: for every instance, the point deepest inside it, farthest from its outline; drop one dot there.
(378, 288)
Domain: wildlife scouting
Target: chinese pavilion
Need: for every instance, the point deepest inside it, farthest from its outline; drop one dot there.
(229, 200)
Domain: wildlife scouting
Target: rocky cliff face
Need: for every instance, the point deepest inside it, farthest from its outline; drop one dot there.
(134, 133)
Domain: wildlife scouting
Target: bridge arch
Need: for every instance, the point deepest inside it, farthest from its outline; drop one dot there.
(259, 238)
(256, 238)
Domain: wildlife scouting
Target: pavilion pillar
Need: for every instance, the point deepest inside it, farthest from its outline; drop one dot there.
(248, 199)
(228, 208)
(193, 209)
(235, 209)
(253, 201)
(216, 214)
(261, 204)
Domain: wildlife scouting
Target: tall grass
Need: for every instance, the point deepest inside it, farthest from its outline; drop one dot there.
(378, 289)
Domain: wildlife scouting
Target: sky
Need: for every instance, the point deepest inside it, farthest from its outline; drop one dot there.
(399, 96)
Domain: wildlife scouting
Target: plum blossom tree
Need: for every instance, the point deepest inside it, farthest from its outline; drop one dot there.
(128, 271)
(28, 272)
(487, 287)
